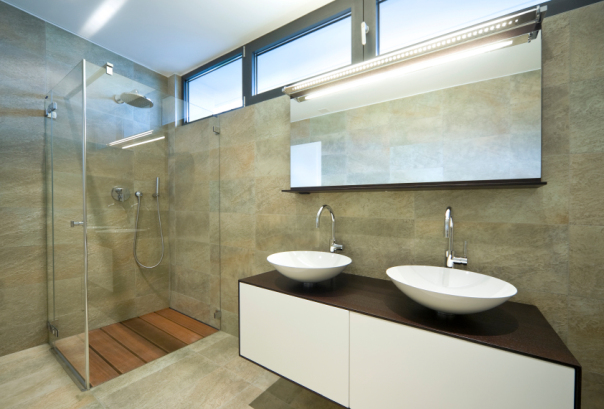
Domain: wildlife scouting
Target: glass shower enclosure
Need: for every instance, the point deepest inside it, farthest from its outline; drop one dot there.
(111, 237)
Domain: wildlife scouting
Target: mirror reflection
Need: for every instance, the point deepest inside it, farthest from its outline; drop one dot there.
(471, 119)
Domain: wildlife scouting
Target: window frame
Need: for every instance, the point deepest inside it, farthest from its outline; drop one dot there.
(360, 10)
(301, 26)
(206, 69)
(314, 28)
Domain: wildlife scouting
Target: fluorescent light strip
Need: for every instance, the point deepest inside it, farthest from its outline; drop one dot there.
(142, 143)
(409, 68)
(480, 30)
(138, 135)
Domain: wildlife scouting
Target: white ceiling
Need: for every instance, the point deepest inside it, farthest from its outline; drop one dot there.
(169, 36)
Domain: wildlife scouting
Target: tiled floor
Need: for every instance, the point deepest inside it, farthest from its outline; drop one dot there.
(206, 374)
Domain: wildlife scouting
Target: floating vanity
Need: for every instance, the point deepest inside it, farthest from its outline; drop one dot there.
(363, 344)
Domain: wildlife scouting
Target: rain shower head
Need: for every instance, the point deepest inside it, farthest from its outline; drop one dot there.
(135, 99)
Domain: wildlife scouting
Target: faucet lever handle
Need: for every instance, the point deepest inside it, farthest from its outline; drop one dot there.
(465, 249)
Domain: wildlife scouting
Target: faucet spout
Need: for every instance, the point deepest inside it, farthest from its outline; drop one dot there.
(450, 259)
(333, 247)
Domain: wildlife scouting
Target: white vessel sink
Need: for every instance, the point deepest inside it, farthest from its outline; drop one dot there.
(451, 291)
(309, 266)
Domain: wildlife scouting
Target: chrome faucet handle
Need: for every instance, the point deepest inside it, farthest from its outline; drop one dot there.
(336, 247)
(465, 249)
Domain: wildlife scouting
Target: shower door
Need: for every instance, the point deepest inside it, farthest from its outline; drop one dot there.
(65, 149)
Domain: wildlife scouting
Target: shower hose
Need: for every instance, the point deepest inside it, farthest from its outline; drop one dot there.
(138, 209)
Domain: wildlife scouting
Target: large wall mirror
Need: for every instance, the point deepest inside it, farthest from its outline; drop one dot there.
(472, 117)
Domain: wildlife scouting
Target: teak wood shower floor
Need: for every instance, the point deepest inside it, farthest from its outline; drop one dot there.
(122, 347)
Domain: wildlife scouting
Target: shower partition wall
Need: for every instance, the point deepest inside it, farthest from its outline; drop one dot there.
(106, 149)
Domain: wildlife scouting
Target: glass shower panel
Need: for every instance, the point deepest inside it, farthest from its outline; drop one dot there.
(151, 241)
(64, 147)
(117, 168)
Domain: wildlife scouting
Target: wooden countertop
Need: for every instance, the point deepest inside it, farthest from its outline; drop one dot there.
(512, 326)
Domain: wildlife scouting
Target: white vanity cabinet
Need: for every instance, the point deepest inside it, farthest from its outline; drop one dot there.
(363, 344)
(304, 341)
(395, 366)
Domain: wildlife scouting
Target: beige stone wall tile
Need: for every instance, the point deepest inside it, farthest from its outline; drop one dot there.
(238, 230)
(586, 42)
(269, 196)
(230, 323)
(194, 308)
(195, 137)
(22, 336)
(373, 255)
(586, 332)
(556, 50)
(587, 116)
(237, 161)
(238, 196)
(532, 257)
(193, 225)
(192, 254)
(369, 226)
(148, 167)
(272, 156)
(22, 266)
(272, 118)
(235, 263)
(395, 205)
(22, 227)
(548, 204)
(237, 127)
(189, 196)
(592, 390)
(586, 263)
(274, 232)
(22, 188)
(149, 303)
(587, 189)
(555, 125)
(215, 228)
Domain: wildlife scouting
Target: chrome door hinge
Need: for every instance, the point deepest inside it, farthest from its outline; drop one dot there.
(218, 314)
(243, 55)
(51, 110)
(54, 330)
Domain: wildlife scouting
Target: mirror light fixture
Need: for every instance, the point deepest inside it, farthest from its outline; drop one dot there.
(509, 30)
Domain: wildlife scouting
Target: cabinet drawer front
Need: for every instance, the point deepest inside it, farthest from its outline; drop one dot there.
(304, 341)
(395, 366)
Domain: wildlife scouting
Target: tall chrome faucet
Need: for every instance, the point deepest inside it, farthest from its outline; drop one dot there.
(451, 260)
(333, 247)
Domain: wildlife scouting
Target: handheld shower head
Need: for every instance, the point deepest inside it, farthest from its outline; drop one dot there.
(156, 187)
(134, 99)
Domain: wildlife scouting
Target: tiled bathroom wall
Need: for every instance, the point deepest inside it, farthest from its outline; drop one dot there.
(485, 130)
(545, 241)
(35, 57)
(227, 218)
(194, 221)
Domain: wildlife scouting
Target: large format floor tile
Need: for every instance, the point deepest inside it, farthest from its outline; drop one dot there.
(205, 374)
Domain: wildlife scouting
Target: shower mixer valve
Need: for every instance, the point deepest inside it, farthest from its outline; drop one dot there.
(121, 194)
